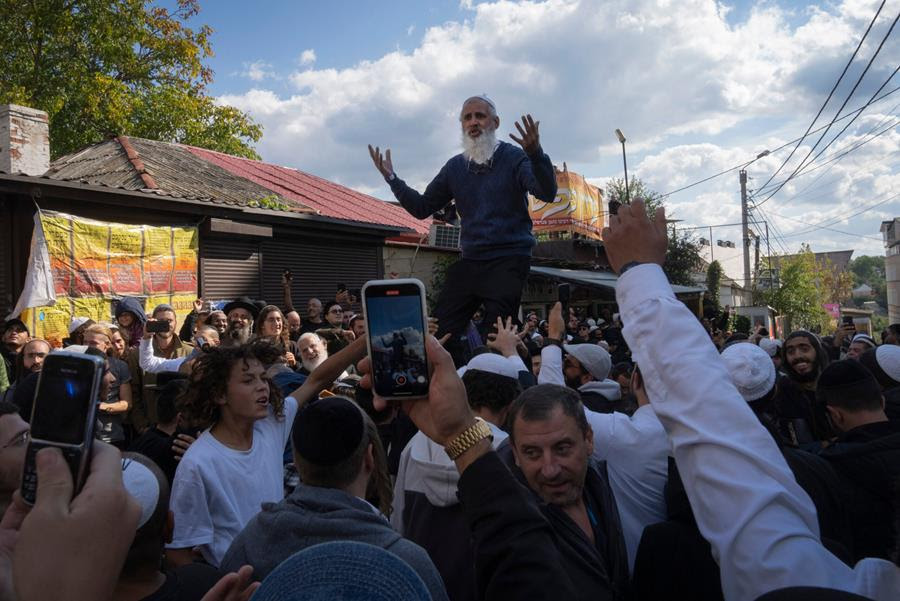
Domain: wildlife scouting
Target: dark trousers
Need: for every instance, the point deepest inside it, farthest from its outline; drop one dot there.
(495, 283)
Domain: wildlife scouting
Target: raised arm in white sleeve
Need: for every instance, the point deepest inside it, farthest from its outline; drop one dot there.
(551, 366)
(762, 526)
(152, 364)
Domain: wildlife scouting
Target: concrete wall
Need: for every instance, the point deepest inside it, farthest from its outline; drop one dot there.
(24, 140)
(892, 277)
(402, 261)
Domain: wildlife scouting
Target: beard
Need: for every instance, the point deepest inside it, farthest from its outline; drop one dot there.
(237, 335)
(311, 364)
(481, 149)
(809, 376)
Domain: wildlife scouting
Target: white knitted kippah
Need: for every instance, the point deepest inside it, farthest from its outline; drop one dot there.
(751, 370)
(888, 358)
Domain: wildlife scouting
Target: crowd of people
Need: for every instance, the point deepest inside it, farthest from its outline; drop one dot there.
(636, 454)
(691, 466)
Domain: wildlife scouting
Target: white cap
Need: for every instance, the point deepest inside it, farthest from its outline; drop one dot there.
(493, 363)
(888, 358)
(751, 369)
(77, 322)
(593, 357)
(141, 484)
(770, 346)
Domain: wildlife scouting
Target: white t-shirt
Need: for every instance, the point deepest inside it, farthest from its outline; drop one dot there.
(217, 490)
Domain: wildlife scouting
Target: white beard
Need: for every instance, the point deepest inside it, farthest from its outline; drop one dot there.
(481, 149)
(311, 364)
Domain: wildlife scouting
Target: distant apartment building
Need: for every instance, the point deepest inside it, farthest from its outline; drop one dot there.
(891, 232)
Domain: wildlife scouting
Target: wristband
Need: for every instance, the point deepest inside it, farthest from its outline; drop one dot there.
(553, 341)
(628, 266)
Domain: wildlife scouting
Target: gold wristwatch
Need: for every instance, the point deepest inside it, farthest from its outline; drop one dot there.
(469, 438)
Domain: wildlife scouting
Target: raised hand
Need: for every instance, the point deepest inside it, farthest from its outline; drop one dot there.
(632, 237)
(382, 163)
(530, 140)
(506, 339)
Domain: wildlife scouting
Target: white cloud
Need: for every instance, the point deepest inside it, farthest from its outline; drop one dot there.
(258, 70)
(307, 57)
(695, 94)
(410, 30)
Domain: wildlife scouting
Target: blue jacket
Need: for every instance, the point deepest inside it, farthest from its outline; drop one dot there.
(492, 201)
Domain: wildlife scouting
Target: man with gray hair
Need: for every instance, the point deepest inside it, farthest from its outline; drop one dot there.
(489, 182)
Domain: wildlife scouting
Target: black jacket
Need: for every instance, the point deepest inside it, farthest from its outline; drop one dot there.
(515, 553)
(799, 417)
(596, 574)
(867, 460)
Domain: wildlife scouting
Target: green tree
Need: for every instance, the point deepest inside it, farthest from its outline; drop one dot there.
(110, 67)
(713, 281)
(799, 295)
(615, 191)
(870, 270)
(683, 258)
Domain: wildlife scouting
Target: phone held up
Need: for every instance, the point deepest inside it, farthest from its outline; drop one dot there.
(157, 327)
(64, 414)
(563, 292)
(396, 326)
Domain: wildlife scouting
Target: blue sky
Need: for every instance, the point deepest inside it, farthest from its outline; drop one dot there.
(697, 87)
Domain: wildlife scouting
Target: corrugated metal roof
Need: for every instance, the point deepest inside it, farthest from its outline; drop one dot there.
(598, 279)
(328, 198)
(173, 171)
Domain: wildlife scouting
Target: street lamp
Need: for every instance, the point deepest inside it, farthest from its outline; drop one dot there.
(621, 137)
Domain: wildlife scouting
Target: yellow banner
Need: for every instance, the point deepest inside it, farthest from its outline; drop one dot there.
(94, 263)
(578, 208)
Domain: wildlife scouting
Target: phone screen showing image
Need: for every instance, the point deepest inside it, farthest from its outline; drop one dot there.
(396, 329)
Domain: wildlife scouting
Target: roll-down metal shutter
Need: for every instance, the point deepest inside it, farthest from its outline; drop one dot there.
(317, 267)
(229, 268)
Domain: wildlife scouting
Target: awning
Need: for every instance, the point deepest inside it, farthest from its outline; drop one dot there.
(604, 280)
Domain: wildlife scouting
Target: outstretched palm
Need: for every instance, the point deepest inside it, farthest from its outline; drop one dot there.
(382, 163)
(530, 140)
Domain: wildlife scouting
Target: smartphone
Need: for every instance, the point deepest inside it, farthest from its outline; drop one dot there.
(848, 320)
(396, 326)
(157, 327)
(563, 292)
(64, 414)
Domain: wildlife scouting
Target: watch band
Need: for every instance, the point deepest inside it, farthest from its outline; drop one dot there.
(469, 438)
(628, 266)
(553, 341)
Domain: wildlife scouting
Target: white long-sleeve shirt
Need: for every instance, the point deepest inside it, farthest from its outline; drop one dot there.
(762, 526)
(636, 451)
(150, 363)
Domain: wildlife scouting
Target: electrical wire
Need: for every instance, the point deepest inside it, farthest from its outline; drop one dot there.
(782, 147)
(846, 100)
(830, 94)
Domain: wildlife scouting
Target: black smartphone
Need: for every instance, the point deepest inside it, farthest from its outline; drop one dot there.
(848, 320)
(396, 326)
(563, 292)
(64, 414)
(157, 327)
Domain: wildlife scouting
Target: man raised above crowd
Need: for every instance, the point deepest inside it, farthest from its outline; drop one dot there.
(489, 181)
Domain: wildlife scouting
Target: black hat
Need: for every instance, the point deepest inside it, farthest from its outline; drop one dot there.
(846, 380)
(9, 323)
(164, 377)
(328, 430)
(244, 302)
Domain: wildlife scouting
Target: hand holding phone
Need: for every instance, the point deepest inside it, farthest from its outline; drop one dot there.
(564, 292)
(396, 327)
(64, 414)
(155, 326)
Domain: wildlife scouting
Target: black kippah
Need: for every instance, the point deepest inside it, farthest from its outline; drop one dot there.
(845, 377)
(327, 431)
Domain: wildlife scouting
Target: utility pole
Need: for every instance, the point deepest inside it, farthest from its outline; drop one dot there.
(746, 230)
(711, 256)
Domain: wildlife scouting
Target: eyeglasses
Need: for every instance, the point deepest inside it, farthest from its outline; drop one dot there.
(18, 440)
(335, 310)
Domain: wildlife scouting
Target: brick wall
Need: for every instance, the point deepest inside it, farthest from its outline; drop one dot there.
(24, 140)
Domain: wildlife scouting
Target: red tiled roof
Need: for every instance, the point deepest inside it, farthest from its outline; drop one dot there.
(328, 198)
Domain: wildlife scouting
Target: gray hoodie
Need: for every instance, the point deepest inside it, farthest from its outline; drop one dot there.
(313, 515)
(426, 510)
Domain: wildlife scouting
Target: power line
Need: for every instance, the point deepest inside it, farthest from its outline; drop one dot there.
(782, 147)
(838, 155)
(833, 220)
(830, 94)
(830, 229)
(846, 100)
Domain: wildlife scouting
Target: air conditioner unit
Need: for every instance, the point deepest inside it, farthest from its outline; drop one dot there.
(443, 236)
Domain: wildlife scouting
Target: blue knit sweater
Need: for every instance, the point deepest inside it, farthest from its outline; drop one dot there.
(492, 202)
